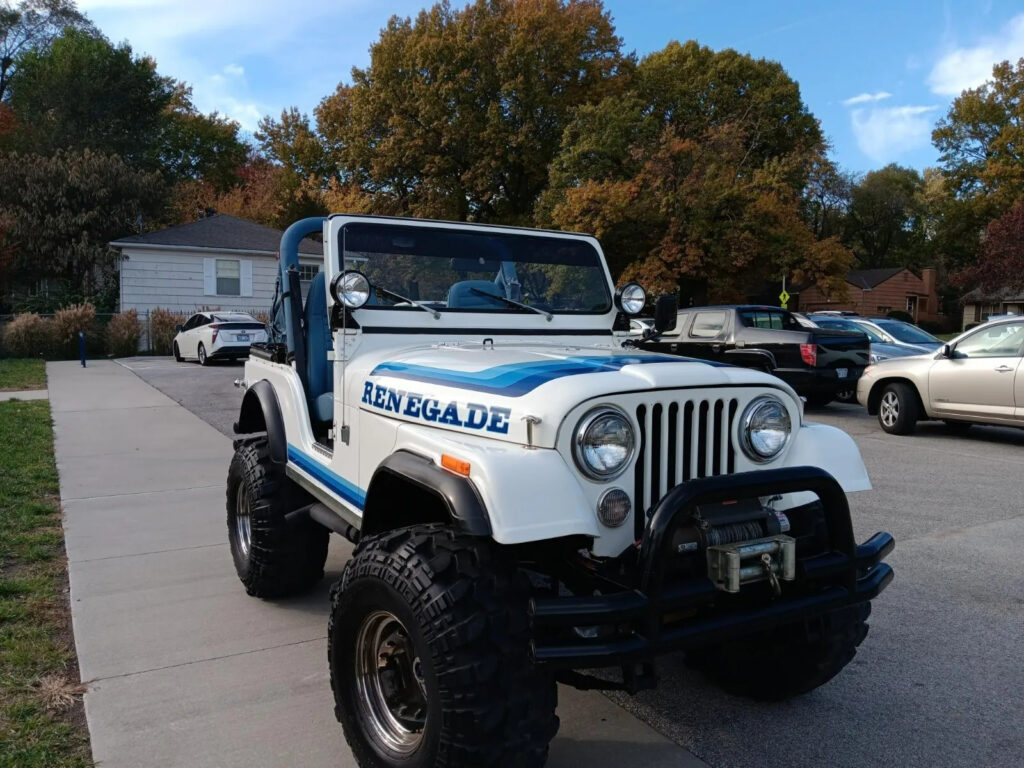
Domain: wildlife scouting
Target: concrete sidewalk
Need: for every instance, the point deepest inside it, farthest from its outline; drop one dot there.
(183, 668)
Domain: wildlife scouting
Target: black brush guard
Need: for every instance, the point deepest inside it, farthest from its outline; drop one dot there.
(847, 573)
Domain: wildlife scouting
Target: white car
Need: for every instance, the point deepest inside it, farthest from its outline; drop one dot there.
(217, 336)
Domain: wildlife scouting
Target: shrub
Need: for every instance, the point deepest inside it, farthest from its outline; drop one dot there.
(29, 335)
(71, 320)
(163, 326)
(123, 334)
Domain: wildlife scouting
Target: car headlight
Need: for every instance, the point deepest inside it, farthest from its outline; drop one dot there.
(764, 428)
(630, 299)
(603, 443)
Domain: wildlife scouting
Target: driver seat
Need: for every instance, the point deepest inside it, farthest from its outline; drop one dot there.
(319, 371)
(463, 295)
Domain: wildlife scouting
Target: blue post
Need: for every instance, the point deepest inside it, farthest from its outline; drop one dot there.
(81, 347)
(289, 256)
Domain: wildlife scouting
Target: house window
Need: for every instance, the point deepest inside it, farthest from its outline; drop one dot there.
(308, 271)
(884, 310)
(229, 277)
(912, 305)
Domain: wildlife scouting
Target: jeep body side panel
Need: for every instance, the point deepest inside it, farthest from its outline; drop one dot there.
(529, 494)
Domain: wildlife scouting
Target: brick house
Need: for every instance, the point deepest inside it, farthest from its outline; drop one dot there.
(978, 305)
(876, 292)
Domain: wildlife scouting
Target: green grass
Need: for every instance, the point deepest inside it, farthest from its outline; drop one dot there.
(946, 336)
(42, 723)
(22, 374)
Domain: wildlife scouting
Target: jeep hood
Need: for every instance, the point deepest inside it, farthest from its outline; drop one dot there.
(494, 390)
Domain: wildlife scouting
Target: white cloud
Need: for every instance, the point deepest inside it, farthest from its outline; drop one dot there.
(885, 133)
(863, 98)
(969, 67)
(235, 70)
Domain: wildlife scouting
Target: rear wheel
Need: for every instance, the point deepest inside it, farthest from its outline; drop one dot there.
(273, 556)
(177, 353)
(203, 360)
(428, 648)
(788, 660)
(846, 395)
(898, 409)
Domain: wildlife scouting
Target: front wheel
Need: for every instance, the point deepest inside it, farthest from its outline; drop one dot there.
(428, 648)
(788, 660)
(177, 353)
(203, 360)
(274, 556)
(898, 409)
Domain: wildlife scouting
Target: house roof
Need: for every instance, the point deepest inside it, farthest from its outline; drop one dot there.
(218, 232)
(1006, 294)
(869, 278)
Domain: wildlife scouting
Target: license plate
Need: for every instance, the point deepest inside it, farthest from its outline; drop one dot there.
(245, 337)
(840, 372)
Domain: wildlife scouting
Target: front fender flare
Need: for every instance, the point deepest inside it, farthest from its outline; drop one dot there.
(261, 412)
(466, 510)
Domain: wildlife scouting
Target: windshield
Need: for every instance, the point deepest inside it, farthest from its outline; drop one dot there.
(458, 270)
(848, 325)
(907, 333)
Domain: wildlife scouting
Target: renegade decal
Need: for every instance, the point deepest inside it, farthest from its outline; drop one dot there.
(471, 416)
(516, 379)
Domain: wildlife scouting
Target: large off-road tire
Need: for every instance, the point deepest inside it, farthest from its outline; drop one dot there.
(177, 353)
(788, 660)
(273, 557)
(201, 353)
(898, 409)
(428, 652)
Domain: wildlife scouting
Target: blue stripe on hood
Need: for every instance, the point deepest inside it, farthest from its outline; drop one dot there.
(516, 379)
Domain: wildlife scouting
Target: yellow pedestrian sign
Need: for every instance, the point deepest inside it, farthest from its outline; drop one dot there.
(784, 298)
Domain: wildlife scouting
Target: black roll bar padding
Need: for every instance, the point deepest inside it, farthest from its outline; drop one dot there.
(769, 482)
(293, 306)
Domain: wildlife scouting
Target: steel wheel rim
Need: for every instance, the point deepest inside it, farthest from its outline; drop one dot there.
(889, 409)
(202, 354)
(390, 690)
(243, 523)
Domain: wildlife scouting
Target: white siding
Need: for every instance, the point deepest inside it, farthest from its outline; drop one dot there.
(176, 280)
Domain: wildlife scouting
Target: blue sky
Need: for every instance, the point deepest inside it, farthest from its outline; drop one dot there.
(877, 74)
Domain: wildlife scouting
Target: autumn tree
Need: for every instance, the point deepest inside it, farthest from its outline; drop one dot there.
(693, 177)
(257, 196)
(1000, 264)
(460, 112)
(302, 159)
(59, 212)
(32, 25)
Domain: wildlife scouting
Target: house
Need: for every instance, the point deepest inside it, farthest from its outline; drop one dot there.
(979, 305)
(876, 292)
(218, 261)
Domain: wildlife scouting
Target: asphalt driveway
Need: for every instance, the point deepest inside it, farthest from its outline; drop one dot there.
(938, 681)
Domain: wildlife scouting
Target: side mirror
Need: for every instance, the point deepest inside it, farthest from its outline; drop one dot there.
(946, 351)
(178, 328)
(666, 308)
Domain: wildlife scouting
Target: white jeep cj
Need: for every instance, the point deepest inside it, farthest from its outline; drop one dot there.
(531, 494)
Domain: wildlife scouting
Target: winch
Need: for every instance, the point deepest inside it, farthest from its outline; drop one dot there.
(743, 541)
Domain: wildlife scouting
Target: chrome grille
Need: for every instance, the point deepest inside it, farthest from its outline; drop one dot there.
(679, 441)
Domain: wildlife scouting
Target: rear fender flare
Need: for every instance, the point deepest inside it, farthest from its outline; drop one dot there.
(261, 412)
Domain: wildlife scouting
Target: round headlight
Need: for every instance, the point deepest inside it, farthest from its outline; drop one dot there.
(631, 299)
(351, 288)
(764, 428)
(603, 443)
(613, 507)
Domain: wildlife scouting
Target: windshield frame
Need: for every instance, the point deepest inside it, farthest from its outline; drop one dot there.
(336, 254)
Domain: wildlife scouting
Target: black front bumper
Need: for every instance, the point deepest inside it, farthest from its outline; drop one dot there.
(659, 617)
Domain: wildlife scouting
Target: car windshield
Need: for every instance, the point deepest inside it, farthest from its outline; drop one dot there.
(839, 324)
(476, 271)
(907, 333)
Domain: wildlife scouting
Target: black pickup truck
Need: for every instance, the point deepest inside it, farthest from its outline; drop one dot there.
(816, 362)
